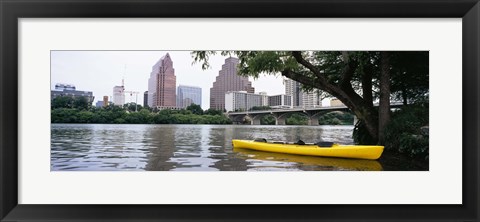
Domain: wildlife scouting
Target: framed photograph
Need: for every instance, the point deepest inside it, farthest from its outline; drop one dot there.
(267, 110)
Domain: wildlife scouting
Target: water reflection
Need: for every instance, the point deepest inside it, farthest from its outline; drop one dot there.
(299, 162)
(106, 147)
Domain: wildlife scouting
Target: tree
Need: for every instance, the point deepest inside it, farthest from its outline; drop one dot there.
(352, 77)
(81, 103)
(213, 112)
(409, 80)
(132, 107)
(62, 102)
(196, 109)
(297, 119)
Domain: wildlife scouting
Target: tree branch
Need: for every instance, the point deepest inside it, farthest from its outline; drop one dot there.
(345, 92)
(298, 56)
(298, 77)
(329, 88)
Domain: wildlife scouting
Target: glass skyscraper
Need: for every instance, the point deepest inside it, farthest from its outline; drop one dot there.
(187, 95)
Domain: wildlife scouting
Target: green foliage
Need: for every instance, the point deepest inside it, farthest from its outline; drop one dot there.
(336, 118)
(142, 117)
(410, 75)
(213, 112)
(70, 102)
(267, 120)
(117, 115)
(403, 133)
(81, 103)
(131, 107)
(62, 102)
(84, 117)
(195, 109)
(64, 115)
(297, 119)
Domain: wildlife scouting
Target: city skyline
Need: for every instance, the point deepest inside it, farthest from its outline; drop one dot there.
(100, 71)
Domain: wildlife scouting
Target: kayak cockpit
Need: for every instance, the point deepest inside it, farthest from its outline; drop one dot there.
(299, 142)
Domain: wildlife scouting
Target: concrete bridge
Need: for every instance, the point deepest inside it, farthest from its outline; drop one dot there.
(313, 113)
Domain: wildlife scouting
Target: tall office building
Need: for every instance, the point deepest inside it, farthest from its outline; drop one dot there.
(119, 95)
(300, 98)
(187, 95)
(294, 89)
(228, 80)
(264, 97)
(311, 99)
(145, 99)
(105, 101)
(162, 84)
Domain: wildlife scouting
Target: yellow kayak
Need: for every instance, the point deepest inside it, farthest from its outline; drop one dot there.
(344, 151)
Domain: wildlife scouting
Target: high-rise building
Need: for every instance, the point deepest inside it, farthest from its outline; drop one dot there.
(105, 101)
(294, 89)
(187, 95)
(241, 100)
(264, 98)
(301, 98)
(145, 99)
(162, 84)
(228, 80)
(311, 99)
(119, 95)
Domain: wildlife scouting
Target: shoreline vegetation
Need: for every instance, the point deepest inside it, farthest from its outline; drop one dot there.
(69, 110)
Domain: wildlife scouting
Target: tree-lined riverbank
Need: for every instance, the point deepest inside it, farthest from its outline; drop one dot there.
(116, 115)
(69, 112)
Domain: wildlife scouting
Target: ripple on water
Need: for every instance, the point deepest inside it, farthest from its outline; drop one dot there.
(109, 147)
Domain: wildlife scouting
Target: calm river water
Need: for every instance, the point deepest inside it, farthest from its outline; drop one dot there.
(104, 147)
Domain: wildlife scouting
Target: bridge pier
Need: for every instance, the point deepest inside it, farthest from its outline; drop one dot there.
(280, 120)
(313, 121)
(256, 120)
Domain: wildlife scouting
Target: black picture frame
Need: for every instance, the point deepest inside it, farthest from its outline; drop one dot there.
(12, 10)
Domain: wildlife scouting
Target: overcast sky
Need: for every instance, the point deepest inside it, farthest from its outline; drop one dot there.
(100, 71)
